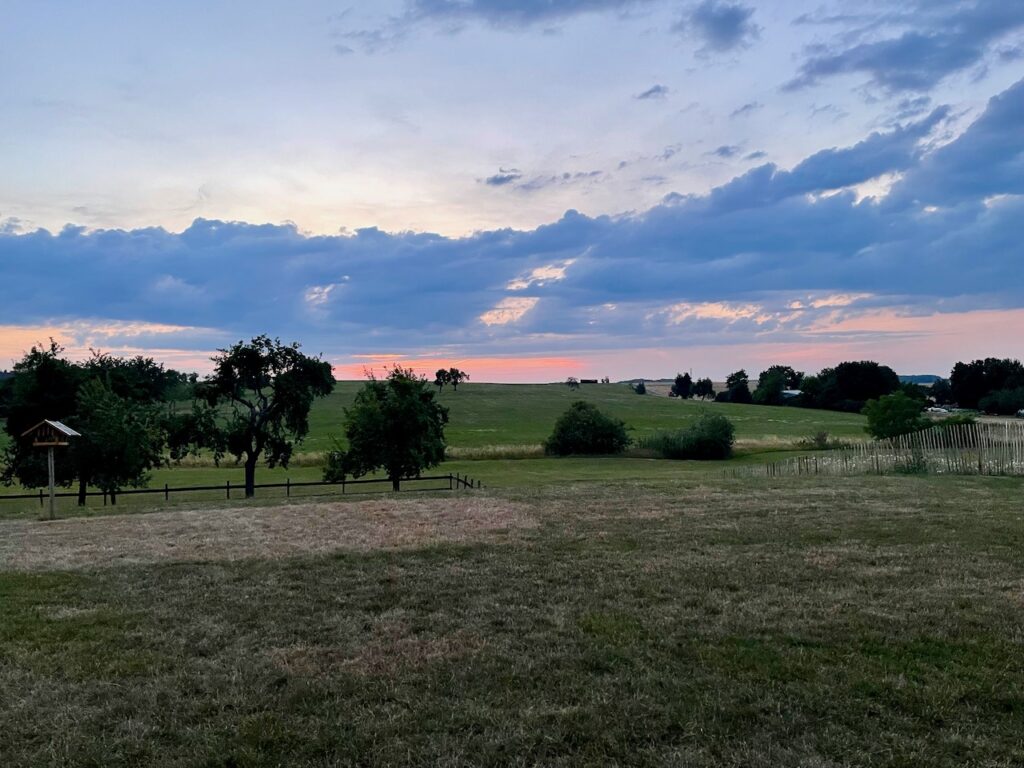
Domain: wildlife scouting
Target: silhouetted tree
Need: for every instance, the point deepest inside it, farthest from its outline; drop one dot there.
(395, 425)
(262, 391)
(572, 382)
(683, 386)
(441, 378)
(456, 377)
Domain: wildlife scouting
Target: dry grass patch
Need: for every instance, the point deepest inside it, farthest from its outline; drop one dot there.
(264, 532)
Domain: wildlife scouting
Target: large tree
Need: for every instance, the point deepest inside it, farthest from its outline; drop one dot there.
(972, 381)
(262, 391)
(682, 386)
(395, 425)
(109, 400)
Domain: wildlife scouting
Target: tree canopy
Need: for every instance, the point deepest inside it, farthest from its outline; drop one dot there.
(260, 393)
(395, 425)
(894, 415)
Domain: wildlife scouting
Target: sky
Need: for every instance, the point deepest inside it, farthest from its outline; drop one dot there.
(527, 190)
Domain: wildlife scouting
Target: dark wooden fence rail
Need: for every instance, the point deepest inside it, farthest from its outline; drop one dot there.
(454, 482)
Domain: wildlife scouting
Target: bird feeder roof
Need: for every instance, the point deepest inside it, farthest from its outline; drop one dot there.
(49, 432)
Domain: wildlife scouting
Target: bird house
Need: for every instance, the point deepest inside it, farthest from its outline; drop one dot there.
(50, 434)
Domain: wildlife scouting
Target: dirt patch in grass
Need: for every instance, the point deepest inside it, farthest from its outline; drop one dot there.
(265, 532)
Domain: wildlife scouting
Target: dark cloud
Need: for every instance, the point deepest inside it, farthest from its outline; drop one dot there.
(503, 177)
(725, 151)
(938, 39)
(758, 155)
(654, 92)
(720, 25)
(948, 234)
(747, 109)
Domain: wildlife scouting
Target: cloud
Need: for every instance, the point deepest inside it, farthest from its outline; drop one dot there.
(654, 92)
(726, 151)
(503, 13)
(727, 267)
(719, 25)
(757, 155)
(747, 109)
(917, 50)
(503, 177)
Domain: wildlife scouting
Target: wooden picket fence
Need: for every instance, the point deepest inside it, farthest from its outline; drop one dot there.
(956, 449)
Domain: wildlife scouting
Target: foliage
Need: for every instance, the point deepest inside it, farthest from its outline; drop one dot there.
(737, 389)
(709, 438)
(704, 388)
(970, 382)
(1004, 402)
(441, 378)
(773, 382)
(395, 425)
(110, 401)
(572, 382)
(682, 387)
(640, 388)
(848, 386)
(893, 415)
(941, 392)
(957, 419)
(584, 429)
(456, 377)
(261, 392)
(122, 439)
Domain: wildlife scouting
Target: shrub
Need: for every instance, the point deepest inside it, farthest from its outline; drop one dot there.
(585, 429)
(820, 441)
(893, 415)
(709, 438)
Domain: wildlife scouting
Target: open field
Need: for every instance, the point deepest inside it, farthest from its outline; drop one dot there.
(524, 414)
(858, 621)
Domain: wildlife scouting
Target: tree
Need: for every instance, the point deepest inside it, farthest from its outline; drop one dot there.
(572, 382)
(972, 381)
(737, 389)
(704, 388)
(941, 392)
(584, 429)
(893, 415)
(683, 386)
(770, 386)
(456, 377)
(640, 388)
(110, 401)
(122, 440)
(44, 386)
(441, 378)
(262, 391)
(849, 385)
(395, 425)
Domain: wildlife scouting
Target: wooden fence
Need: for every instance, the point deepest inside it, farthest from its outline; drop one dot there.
(449, 482)
(958, 449)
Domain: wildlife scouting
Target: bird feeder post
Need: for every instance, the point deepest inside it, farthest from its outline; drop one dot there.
(49, 435)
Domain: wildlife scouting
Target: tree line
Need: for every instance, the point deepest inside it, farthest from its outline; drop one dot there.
(992, 385)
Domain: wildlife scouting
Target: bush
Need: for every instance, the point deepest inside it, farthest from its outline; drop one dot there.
(894, 415)
(585, 429)
(709, 438)
(1003, 402)
(820, 441)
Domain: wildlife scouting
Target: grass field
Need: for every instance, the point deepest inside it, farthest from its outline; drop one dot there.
(524, 414)
(690, 621)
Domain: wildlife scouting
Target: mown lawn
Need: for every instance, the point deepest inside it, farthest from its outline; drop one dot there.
(703, 622)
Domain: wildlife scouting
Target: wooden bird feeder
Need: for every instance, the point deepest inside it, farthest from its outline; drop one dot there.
(49, 435)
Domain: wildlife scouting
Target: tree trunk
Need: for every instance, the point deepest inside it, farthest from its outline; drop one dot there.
(113, 498)
(250, 476)
(81, 492)
(394, 484)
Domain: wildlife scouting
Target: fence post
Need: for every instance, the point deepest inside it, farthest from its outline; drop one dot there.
(450, 482)
(41, 497)
(228, 487)
(167, 492)
(288, 487)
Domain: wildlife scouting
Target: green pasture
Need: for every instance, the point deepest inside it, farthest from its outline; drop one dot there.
(524, 414)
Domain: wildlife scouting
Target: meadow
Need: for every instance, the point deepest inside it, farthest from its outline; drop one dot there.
(703, 622)
(574, 612)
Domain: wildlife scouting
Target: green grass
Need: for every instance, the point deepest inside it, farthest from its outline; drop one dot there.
(522, 414)
(857, 622)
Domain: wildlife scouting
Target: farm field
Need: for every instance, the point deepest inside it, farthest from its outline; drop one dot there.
(524, 414)
(696, 621)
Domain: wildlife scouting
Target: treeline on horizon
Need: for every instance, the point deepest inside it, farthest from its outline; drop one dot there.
(993, 386)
